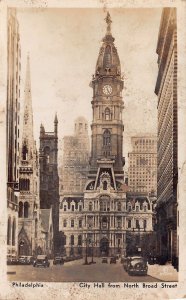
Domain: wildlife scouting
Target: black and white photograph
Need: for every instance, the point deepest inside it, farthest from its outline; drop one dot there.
(92, 146)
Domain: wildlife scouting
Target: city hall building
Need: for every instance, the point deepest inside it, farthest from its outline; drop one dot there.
(98, 222)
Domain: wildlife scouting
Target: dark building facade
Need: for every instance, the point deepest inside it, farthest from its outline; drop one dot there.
(167, 174)
(13, 129)
(49, 179)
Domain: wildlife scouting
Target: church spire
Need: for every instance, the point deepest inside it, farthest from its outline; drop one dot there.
(27, 137)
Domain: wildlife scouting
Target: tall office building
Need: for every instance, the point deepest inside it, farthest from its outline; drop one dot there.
(167, 156)
(142, 170)
(13, 129)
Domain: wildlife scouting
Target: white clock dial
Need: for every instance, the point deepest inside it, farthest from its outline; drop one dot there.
(107, 89)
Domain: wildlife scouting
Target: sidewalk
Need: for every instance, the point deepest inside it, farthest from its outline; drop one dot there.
(164, 273)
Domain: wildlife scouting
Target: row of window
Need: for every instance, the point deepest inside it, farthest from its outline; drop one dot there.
(137, 224)
(80, 222)
(23, 209)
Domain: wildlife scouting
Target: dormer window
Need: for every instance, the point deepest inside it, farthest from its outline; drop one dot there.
(107, 57)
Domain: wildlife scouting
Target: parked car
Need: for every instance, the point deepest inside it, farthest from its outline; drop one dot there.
(126, 262)
(137, 265)
(23, 260)
(104, 260)
(113, 260)
(58, 260)
(12, 260)
(41, 261)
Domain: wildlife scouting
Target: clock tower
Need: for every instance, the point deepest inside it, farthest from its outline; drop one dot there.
(107, 105)
(104, 195)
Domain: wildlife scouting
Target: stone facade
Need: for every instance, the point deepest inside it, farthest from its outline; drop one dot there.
(95, 223)
(142, 171)
(13, 130)
(28, 222)
(100, 221)
(49, 180)
(166, 90)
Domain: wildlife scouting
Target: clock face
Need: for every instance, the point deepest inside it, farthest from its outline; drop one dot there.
(107, 89)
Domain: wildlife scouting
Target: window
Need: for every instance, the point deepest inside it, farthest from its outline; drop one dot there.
(79, 240)
(107, 57)
(65, 207)
(72, 240)
(64, 223)
(80, 208)
(80, 223)
(90, 206)
(72, 207)
(13, 232)
(72, 223)
(137, 224)
(20, 214)
(129, 223)
(144, 224)
(137, 208)
(26, 206)
(107, 114)
(9, 231)
(106, 138)
(119, 206)
(24, 152)
(105, 185)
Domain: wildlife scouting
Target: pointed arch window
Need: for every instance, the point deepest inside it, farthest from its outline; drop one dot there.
(13, 232)
(26, 207)
(106, 138)
(9, 231)
(25, 152)
(20, 210)
(107, 114)
(107, 57)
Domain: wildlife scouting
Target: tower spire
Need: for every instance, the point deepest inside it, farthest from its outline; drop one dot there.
(28, 137)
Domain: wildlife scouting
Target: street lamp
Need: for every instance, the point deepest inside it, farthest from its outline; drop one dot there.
(93, 243)
(86, 251)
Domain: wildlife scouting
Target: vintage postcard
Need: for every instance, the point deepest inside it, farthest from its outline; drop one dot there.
(92, 130)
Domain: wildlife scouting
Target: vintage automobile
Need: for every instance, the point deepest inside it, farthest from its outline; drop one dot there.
(104, 260)
(58, 260)
(137, 265)
(41, 261)
(126, 262)
(113, 260)
(12, 260)
(23, 260)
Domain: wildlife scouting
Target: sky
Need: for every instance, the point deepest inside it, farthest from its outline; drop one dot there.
(63, 44)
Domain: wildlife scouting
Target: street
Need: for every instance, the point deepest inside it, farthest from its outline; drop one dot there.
(75, 271)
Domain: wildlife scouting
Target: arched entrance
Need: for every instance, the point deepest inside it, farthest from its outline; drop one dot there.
(23, 248)
(104, 246)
